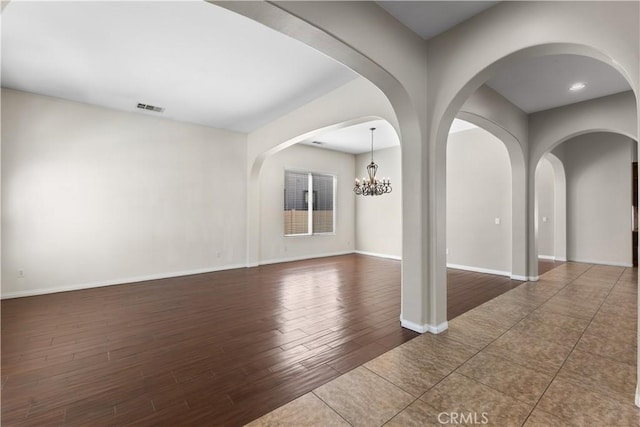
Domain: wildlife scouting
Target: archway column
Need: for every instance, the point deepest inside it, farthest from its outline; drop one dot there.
(560, 207)
(424, 304)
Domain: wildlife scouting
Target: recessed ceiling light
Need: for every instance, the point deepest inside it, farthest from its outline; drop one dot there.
(577, 86)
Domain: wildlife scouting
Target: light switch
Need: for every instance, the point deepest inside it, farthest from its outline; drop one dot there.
(545, 219)
(497, 221)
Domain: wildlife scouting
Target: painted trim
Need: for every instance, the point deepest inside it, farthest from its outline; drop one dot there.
(114, 282)
(521, 278)
(533, 278)
(479, 270)
(303, 257)
(561, 259)
(638, 395)
(424, 328)
(413, 326)
(396, 257)
(438, 328)
(549, 257)
(613, 263)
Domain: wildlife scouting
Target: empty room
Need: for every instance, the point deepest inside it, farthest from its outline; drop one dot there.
(319, 213)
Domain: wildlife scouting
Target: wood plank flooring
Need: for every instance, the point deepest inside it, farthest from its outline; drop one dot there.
(212, 349)
(467, 290)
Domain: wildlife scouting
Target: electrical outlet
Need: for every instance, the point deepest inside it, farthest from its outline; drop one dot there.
(497, 221)
(447, 251)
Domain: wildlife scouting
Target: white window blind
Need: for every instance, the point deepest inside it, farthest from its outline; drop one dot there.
(323, 203)
(308, 203)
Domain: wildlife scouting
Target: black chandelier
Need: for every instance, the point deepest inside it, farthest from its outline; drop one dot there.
(372, 186)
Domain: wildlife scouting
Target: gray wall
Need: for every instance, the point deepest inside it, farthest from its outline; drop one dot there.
(379, 218)
(598, 170)
(545, 202)
(274, 246)
(93, 197)
(478, 192)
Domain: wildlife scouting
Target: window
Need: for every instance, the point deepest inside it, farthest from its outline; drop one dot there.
(308, 203)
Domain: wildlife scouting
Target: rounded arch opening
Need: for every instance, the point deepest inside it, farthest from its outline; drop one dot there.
(593, 198)
(463, 93)
(524, 257)
(515, 181)
(479, 212)
(268, 241)
(550, 209)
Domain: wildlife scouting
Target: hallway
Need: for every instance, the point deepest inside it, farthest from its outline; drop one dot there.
(561, 351)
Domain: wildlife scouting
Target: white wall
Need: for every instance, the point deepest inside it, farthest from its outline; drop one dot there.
(274, 246)
(545, 202)
(379, 218)
(92, 196)
(355, 102)
(478, 192)
(598, 170)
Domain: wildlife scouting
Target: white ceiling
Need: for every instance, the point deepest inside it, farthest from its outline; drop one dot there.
(202, 63)
(540, 83)
(207, 65)
(357, 139)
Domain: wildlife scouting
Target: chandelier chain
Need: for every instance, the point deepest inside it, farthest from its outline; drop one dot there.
(372, 186)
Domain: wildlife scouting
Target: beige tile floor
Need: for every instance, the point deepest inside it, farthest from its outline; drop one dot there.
(557, 352)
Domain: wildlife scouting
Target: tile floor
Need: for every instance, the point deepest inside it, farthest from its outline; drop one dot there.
(557, 352)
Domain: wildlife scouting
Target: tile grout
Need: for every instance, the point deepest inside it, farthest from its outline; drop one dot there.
(576, 343)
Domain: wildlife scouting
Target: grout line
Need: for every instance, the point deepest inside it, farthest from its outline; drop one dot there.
(487, 345)
(505, 332)
(395, 385)
(329, 406)
(577, 341)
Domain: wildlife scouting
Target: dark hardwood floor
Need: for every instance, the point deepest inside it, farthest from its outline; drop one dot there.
(467, 290)
(545, 265)
(211, 349)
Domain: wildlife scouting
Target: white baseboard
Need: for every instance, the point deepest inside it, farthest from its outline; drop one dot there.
(521, 278)
(396, 257)
(424, 328)
(638, 395)
(303, 257)
(561, 259)
(113, 282)
(598, 262)
(549, 257)
(479, 269)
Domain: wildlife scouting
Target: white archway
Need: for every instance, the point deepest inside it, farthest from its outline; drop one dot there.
(560, 207)
(518, 182)
(452, 67)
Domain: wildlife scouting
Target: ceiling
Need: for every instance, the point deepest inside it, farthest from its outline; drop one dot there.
(533, 84)
(536, 84)
(430, 18)
(357, 139)
(204, 64)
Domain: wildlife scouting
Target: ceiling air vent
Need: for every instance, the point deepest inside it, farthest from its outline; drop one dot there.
(316, 142)
(150, 107)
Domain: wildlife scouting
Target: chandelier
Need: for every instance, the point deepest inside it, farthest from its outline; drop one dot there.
(372, 186)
